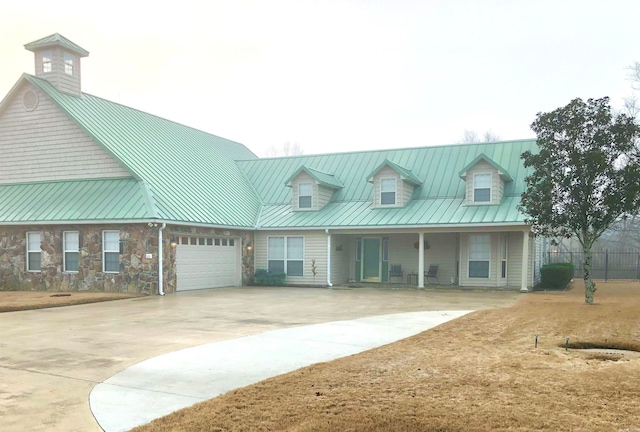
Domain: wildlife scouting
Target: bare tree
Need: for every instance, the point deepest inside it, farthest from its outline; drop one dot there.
(287, 149)
(471, 136)
(490, 136)
(631, 104)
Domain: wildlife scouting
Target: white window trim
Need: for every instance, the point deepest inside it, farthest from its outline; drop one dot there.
(310, 196)
(504, 247)
(395, 197)
(48, 63)
(469, 260)
(30, 250)
(303, 259)
(490, 188)
(68, 63)
(104, 251)
(64, 251)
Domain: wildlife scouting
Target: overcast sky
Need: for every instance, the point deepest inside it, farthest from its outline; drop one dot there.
(338, 75)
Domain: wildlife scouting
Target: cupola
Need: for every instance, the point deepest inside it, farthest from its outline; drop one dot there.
(57, 60)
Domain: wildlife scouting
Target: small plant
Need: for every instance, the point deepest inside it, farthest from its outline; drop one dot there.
(264, 277)
(313, 270)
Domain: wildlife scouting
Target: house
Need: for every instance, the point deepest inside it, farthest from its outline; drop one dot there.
(99, 196)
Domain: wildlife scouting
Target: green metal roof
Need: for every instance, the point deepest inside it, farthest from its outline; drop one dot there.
(360, 214)
(57, 39)
(190, 175)
(322, 178)
(404, 173)
(503, 173)
(75, 201)
(439, 200)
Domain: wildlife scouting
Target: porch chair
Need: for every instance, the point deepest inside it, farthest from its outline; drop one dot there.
(395, 270)
(432, 273)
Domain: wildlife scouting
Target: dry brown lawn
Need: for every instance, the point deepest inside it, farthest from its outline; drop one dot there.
(24, 300)
(478, 373)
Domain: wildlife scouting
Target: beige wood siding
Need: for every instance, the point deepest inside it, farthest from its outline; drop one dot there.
(497, 185)
(407, 189)
(315, 248)
(340, 257)
(324, 195)
(387, 172)
(44, 144)
(514, 265)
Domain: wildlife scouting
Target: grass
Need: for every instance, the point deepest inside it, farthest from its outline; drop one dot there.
(477, 373)
(11, 301)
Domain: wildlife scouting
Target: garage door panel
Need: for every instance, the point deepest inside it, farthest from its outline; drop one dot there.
(201, 267)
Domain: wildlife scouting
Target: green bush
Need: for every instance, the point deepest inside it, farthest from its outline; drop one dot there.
(263, 277)
(556, 275)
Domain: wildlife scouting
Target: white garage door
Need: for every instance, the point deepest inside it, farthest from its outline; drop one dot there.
(205, 262)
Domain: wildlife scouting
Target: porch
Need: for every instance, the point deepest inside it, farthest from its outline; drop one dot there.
(497, 259)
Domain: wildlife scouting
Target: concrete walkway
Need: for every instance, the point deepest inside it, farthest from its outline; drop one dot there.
(169, 382)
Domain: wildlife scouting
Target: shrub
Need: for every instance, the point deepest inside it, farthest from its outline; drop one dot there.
(263, 277)
(556, 275)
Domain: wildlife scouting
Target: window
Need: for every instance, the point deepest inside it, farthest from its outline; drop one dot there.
(358, 249)
(71, 249)
(388, 191)
(68, 63)
(34, 253)
(503, 266)
(305, 191)
(482, 187)
(46, 61)
(479, 255)
(111, 251)
(286, 255)
(385, 249)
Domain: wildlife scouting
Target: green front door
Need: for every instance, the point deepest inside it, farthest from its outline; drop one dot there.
(371, 259)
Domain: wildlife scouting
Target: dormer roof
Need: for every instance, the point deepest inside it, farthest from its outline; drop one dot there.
(501, 171)
(56, 39)
(406, 174)
(325, 179)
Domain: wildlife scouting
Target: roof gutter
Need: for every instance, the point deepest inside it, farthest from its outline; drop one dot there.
(388, 227)
(126, 221)
(160, 266)
(329, 284)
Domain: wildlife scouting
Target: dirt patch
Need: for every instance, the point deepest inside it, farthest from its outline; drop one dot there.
(11, 301)
(478, 373)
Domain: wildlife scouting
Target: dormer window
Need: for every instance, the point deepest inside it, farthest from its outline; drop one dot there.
(481, 188)
(305, 191)
(68, 63)
(388, 191)
(46, 61)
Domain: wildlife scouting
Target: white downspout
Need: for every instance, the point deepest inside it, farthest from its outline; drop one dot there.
(329, 284)
(160, 266)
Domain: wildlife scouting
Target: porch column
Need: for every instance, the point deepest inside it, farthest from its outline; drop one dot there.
(525, 262)
(421, 261)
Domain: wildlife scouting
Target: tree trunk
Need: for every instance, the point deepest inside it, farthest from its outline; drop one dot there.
(589, 285)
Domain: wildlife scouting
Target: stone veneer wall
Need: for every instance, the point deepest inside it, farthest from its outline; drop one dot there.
(138, 274)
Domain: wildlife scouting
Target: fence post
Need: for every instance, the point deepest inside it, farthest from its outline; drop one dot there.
(606, 265)
(638, 267)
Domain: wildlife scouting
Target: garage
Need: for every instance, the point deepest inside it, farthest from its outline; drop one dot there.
(207, 262)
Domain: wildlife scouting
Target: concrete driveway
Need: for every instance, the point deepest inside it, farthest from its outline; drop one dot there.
(50, 359)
